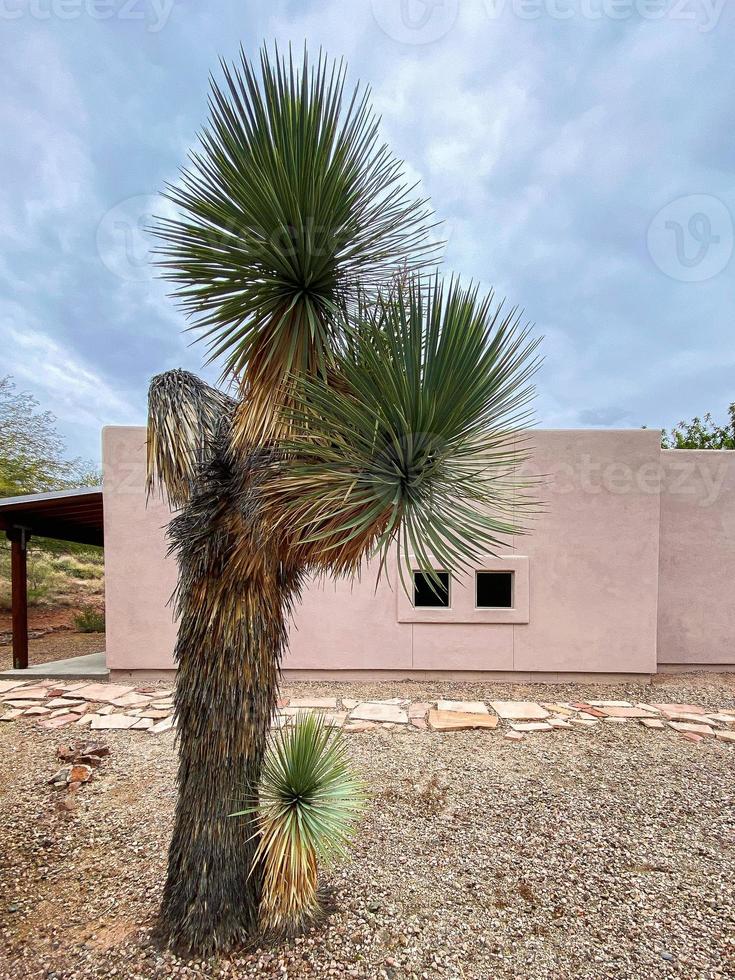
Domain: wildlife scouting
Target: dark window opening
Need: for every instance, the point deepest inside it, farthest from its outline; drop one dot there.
(494, 590)
(429, 592)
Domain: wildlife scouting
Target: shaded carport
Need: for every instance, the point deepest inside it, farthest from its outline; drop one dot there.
(66, 515)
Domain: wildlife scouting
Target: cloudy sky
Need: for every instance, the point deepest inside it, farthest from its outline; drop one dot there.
(581, 153)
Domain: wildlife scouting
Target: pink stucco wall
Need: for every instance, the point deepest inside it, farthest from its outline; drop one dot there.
(589, 593)
(696, 605)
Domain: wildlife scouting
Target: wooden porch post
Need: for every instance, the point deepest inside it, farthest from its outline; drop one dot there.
(19, 583)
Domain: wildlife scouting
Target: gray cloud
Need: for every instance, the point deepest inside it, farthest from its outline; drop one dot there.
(548, 143)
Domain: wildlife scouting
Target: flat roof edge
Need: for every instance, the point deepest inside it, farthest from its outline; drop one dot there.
(32, 498)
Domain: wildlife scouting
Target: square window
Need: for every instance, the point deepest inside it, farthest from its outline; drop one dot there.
(427, 592)
(494, 590)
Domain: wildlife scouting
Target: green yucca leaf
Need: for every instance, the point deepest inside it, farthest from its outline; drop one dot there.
(289, 207)
(418, 436)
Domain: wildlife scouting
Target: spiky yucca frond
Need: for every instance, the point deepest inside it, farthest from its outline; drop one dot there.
(183, 416)
(309, 803)
(416, 438)
(290, 206)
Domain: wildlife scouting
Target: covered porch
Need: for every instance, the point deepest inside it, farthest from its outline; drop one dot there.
(65, 515)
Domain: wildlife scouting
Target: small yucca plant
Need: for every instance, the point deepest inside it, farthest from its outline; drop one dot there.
(309, 803)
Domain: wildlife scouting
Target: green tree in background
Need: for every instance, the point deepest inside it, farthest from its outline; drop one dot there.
(701, 434)
(33, 460)
(32, 453)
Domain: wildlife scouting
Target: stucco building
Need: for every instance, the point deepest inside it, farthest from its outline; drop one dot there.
(629, 569)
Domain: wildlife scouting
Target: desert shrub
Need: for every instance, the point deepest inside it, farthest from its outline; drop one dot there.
(75, 568)
(309, 802)
(90, 620)
(45, 583)
(54, 576)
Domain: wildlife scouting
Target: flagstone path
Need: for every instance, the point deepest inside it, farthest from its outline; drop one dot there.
(103, 707)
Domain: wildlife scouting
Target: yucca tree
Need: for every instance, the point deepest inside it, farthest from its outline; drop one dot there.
(372, 406)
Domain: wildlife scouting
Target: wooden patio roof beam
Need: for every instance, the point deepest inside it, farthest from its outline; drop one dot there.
(60, 530)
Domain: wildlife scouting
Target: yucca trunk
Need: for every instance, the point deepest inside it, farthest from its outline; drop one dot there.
(233, 599)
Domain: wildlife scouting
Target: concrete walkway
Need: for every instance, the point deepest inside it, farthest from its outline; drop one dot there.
(91, 666)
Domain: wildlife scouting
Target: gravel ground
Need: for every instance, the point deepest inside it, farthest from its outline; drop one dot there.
(607, 852)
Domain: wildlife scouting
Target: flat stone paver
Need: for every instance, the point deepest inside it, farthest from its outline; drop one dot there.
(627, 712)
(468, 707)
(323, 703)
(519, 710)
(694, 729)
(458, 721)
(132, 700)
(6, 686)
(103, 692)
(372, 711)
(678, 708)
(27, 694)
(691, 736)
(419, 709)
(335, 719)
(101, 723)
(110, 707)
(686, 716)
(59, 721)
(558, 709)
(587, 711)
(161, 726)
